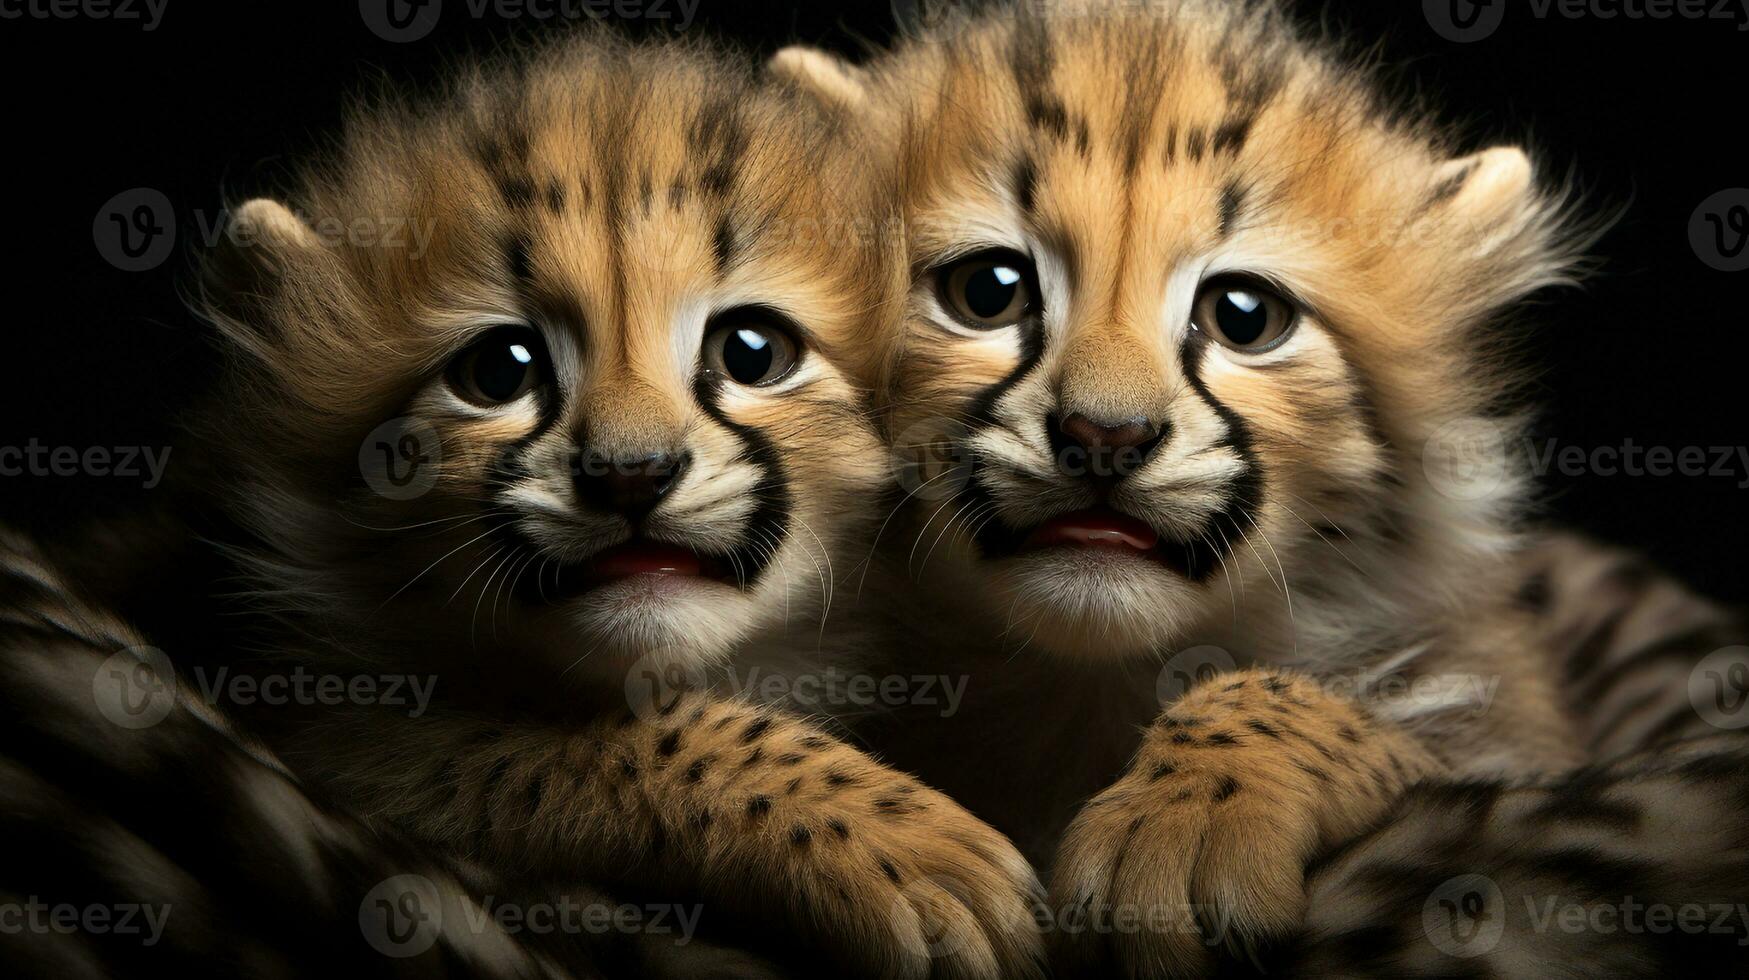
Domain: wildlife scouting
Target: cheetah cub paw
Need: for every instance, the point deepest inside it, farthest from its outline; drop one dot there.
(1204, 841)
(885, 876)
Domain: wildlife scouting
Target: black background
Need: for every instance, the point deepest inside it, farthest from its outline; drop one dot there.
(1646, 114)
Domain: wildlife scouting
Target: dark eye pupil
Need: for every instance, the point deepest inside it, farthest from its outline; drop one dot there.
(748, 355)
(501, 370)
(990, 292)
(1242, 316)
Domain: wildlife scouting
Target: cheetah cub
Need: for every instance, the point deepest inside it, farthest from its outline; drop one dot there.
(610, 408)
(1201, 369)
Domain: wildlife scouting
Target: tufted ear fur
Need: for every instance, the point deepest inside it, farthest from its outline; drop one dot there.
(1487, 186)
(263, 243)
(829, 78)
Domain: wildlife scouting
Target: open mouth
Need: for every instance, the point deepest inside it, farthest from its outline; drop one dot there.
(637, 558)
(1105, 529)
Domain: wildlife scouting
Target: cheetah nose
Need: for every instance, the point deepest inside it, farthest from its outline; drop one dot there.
(1105, 450)
(628, 485)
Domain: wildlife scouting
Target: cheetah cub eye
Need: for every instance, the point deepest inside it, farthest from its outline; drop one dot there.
(751, 347)
(1244, 313)
(990, 290)
(505, 364)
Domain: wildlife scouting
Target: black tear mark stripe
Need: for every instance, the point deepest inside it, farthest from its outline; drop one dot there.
(1246, 489)
(994, 537)
(768, 527)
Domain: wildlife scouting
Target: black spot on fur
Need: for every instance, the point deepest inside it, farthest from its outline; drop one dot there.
(891, 872)
(758, 807)
(1046, 114)
(695, 772)
(1231, 135)
(754, 730)
(516, 257)
(1026, 185)
(517, 192)
(723, 245)
(1232, 199)
(1226, 789)
(1196, 142)
(800, 836)
(839, 827)
(1535, 593)
(1162, 770)
(669, 745)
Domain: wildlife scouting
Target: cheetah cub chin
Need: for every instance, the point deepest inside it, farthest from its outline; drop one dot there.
(1201, 368)
(608, 396)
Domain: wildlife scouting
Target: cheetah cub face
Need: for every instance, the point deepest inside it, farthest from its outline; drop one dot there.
(598, 398)
(1187, 309)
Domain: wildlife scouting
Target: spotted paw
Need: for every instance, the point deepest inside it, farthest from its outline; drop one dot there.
(1203, 843)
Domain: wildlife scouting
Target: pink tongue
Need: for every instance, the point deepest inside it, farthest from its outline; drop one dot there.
(1085, 528)
(645, 558)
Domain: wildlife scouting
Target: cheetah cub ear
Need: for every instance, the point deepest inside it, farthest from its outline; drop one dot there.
(828, 77)
(263, 244)
(1486, 186)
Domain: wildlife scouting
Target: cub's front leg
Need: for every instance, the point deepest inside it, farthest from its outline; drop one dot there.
(1205, 839)
(771, 824)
